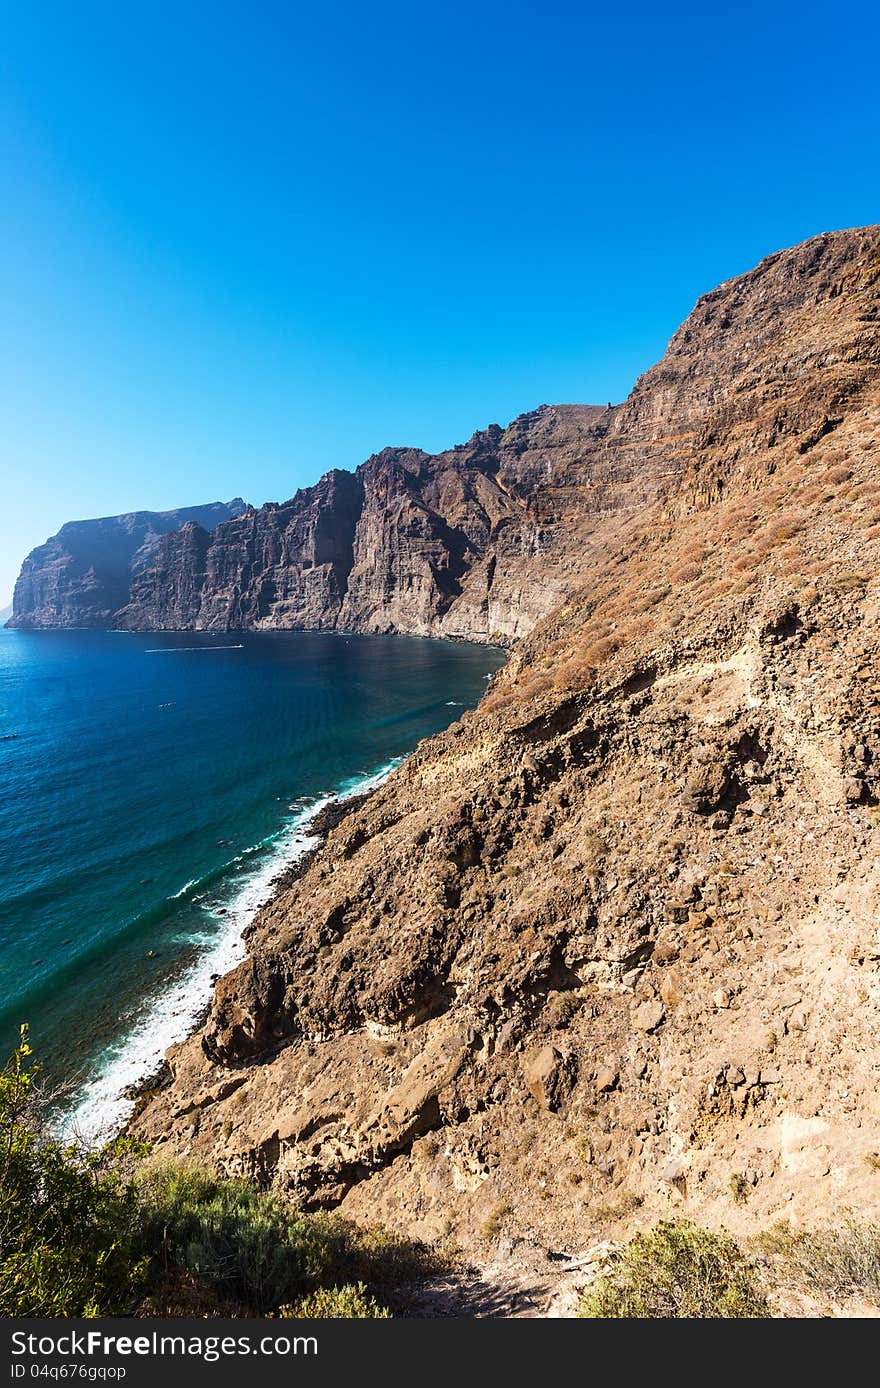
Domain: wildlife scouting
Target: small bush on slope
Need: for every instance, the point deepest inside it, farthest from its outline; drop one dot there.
(337, 1303)
(676, 1270)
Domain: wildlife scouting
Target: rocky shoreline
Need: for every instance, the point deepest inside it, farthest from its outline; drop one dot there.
(327, 818)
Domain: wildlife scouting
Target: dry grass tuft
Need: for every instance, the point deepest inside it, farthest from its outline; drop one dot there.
(842, 1259)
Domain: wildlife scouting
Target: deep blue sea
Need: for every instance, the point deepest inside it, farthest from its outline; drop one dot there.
(151, 787)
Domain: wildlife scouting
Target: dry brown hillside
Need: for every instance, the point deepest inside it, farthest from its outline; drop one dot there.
(609, 946)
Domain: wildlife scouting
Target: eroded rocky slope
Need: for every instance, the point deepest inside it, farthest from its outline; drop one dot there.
(609, 946)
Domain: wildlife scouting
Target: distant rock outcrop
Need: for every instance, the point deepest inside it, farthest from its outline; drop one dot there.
(81, 577)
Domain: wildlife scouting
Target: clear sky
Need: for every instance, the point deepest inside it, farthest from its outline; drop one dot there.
(243, 243)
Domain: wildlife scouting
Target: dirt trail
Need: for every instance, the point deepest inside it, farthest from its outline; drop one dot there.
(521, 1281)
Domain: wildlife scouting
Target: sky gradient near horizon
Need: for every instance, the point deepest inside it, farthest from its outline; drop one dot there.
(242, 244)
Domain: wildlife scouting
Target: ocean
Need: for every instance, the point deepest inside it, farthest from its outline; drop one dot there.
(151, 789)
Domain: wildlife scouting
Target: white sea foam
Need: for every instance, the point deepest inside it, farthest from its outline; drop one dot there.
(193, 882)
(172, 650)
(102, 1106)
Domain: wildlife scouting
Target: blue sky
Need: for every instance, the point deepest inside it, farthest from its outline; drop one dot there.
(240, 244)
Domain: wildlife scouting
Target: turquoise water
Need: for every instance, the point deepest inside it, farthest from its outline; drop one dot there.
(150, 789)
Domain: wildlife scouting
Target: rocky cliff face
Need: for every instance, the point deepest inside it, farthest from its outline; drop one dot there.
(476, 542)
(484, 540)
(468, 543)
(292, 561)
(82, 576)
(607, 949)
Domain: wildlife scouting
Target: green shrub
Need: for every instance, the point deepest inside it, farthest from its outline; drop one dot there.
(223, 1247)
(337, 1303)
(82, 1234)
(676, 1270)
(245, 1244)
(67, 1217)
